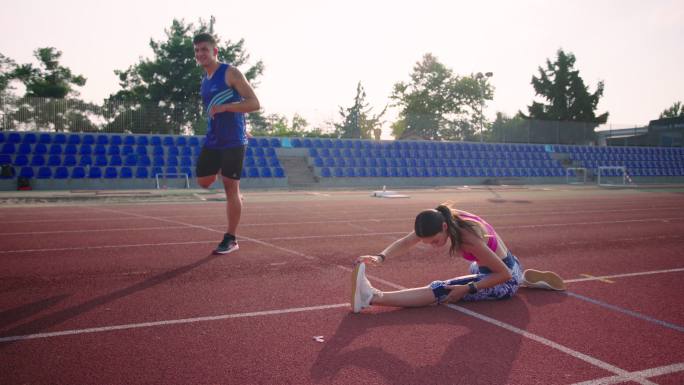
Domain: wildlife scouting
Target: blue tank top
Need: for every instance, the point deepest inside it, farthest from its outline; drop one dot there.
(226, 129)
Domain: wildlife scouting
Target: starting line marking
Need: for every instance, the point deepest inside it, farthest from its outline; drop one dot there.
(647, 373)
(597, 279)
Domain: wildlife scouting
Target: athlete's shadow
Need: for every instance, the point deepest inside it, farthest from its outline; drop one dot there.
(482, 355)
(58, 317)
(16, 314)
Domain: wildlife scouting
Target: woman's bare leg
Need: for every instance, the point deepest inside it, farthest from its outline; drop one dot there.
(416, 297)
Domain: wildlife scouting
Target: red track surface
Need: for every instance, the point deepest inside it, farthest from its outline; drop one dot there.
(143, 273)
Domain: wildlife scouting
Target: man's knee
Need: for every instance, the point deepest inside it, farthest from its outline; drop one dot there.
(206, 182)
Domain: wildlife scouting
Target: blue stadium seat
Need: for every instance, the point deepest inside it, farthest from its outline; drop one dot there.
(95, 173)
(59, 139)
(171, 170)
(88, 139)
(261, 162)
(102, 140)
(70, 149)
(44, 138)
(100, 149)
(78, 173)
(74, 139)
(110, 173)
(274, 162)
(325, 172)
(186, 161)
(181, 141)
(24, 149)
(116, 140)
(127, 149)
(125, 173)
(338, 172)
(30, 138)
(275, 142)
(21, 160)
(100, 160)
(26, 172)
(114, 149)
(144, 161)
(361, 172)
(37, 160)
(258, 151)
(85, 149)
(187, 171)
(69, 161)
(54, 160)
(129, 140)
(141, 150)
(172, 151)
(44, 173)
(187, 151)
(141, 173)
(265, 172)
(157, 150)
(115, 160)
(193, 141)
(13, 137)
(253, 172)
(172, 161)
(249, 161)
(279, 172)
(61, 172)
(131, 160)
(142, 140)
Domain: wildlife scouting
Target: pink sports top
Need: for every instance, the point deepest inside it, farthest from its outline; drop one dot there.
(492, 242)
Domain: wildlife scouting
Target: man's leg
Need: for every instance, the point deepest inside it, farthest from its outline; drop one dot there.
(233, 203)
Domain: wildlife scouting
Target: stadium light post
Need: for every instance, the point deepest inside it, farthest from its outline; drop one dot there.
(479, 76)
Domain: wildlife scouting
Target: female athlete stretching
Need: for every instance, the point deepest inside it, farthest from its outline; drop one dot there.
(495, 272)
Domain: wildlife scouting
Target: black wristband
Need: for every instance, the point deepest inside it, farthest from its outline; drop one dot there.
(382, 256)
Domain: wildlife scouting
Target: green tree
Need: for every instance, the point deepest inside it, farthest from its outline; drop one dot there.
(357, 120)
(568, 98)
(674, 111)
(51, 99)
(437, 104)
(161, 94)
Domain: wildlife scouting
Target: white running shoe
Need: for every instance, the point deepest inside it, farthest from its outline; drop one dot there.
(362, 291)
(543, 280)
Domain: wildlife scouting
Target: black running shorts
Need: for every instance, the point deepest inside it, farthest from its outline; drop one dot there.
(228, 160)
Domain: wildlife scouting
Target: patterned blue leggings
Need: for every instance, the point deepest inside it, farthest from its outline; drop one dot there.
(500, 291)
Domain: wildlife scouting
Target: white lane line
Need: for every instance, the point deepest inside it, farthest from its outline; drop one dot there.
(170, 322)
(627, 311)
(647, 373)
(676, 270)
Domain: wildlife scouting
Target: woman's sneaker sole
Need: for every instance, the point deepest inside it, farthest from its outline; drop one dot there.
(543, 280)
(359, 270)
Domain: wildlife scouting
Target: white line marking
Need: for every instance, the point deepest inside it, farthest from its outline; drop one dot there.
(170, 322)
(648, 373)
(626, 311)
(623, 275)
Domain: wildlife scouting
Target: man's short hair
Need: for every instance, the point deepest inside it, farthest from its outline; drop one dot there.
(204, 38)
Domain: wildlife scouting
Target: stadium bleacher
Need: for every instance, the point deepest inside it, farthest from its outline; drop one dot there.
(62, 156)
(85, 156)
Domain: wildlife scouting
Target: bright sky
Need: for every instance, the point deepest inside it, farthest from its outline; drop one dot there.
(316, 51)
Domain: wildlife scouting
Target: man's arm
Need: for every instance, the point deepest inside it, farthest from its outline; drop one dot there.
(249, 103)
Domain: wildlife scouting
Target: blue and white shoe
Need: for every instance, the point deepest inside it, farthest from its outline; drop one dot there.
(362, 291)
(227, 245)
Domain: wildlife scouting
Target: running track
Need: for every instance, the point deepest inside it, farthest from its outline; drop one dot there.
(129, 293)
